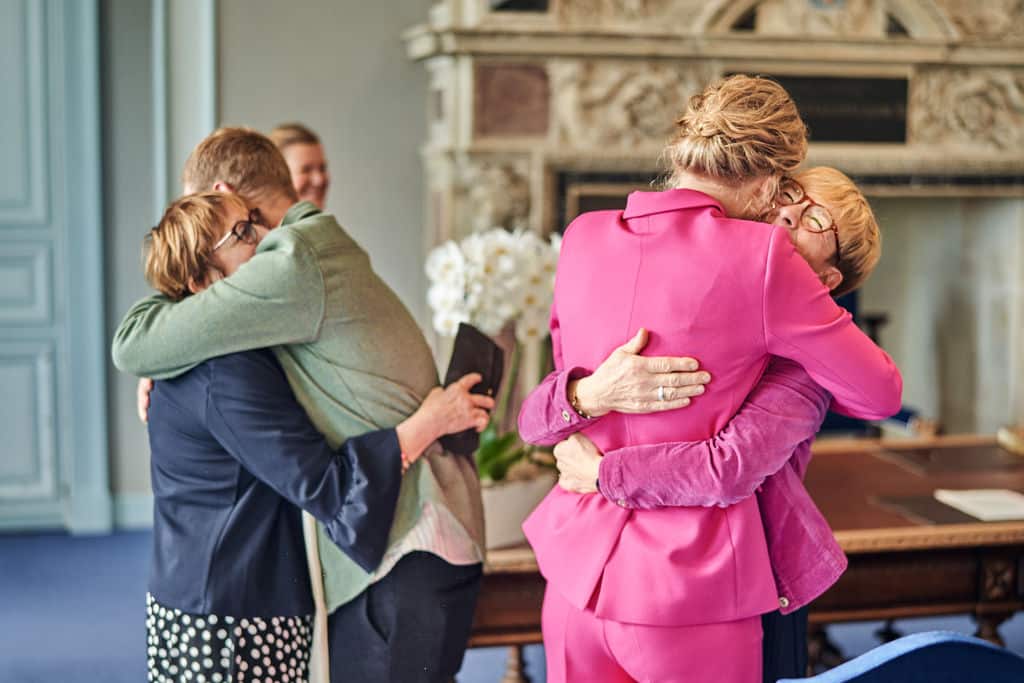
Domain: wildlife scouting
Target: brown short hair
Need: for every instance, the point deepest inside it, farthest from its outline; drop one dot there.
(287, 134)
(180, 248)
(860, 240)
(738, 128)
(242, 157)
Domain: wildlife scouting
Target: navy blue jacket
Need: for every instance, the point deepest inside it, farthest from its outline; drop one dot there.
(234, 457)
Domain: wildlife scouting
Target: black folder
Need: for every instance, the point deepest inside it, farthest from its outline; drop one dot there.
(474, 351)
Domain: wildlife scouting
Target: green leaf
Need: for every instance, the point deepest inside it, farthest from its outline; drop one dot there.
(494, 449)
(499, 468)
(498, 452)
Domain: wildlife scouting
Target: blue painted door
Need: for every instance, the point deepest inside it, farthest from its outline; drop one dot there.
(53, 447)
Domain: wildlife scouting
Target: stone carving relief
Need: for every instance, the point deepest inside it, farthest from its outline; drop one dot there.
(852, 18)
(626, 104)
(998, 582)
(672, 14)
(492, 192)
(991, 19)
(982, 108)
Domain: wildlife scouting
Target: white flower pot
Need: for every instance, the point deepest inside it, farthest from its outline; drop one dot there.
(508, 503)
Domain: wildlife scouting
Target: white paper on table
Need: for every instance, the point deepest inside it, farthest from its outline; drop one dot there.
(988, 505)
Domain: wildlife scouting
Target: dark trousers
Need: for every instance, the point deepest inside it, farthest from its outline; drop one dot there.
(411, 626)
(785, 645)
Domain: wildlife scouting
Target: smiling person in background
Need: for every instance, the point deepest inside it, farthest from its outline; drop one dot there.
(306, 161)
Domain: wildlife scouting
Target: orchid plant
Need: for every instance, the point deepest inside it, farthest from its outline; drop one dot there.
(492, 280)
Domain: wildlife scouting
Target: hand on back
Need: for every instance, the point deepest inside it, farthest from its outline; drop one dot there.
(627, 382)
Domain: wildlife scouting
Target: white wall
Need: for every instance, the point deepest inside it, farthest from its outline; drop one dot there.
(340, 68)
(950, 280)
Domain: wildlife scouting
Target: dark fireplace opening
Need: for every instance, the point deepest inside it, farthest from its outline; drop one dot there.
(842, 109)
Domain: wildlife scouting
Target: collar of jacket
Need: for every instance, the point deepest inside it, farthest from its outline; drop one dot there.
(649, 203)
(299, 211)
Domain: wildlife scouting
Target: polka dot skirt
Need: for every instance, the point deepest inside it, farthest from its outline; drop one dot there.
(206, 648)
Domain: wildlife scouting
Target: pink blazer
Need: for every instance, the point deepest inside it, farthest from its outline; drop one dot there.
(763, 451)
(729, 292)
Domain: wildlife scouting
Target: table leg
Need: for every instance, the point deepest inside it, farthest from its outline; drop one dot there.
(998, 584)
(988, 627)
(888, 632)
(822, 653)
(514, 666)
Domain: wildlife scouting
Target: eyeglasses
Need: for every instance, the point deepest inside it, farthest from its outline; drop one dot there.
(243, 231)
(815, 217)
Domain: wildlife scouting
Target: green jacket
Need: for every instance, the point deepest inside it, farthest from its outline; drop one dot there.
(353, 354)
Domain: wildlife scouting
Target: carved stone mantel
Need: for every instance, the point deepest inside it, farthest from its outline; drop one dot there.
(983, 108)
(597, 84)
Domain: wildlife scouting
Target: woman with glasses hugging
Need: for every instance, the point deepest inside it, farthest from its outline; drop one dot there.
(234, 459)
(658, 561)
(765, 448)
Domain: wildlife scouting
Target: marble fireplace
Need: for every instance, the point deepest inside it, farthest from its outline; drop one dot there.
(540, 109)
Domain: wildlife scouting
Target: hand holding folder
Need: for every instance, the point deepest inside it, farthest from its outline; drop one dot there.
(474, 351)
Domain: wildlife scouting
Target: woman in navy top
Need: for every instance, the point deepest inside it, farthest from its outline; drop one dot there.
(234, 459)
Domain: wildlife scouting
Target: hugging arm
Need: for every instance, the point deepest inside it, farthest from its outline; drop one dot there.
(277, 297)
(624, 382)
(782, 413)
(773, 428)
(803, 323)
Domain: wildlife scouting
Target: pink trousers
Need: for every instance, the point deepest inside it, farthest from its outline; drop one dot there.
(583, 648)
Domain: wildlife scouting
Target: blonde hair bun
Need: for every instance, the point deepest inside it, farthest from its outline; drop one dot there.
(737, 128)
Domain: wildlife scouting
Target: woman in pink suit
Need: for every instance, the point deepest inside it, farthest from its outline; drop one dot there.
(675, 594)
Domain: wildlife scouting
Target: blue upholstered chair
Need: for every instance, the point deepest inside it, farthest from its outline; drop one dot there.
(932, 657)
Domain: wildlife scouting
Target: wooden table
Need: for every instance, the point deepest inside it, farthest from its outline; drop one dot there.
(876, 496)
